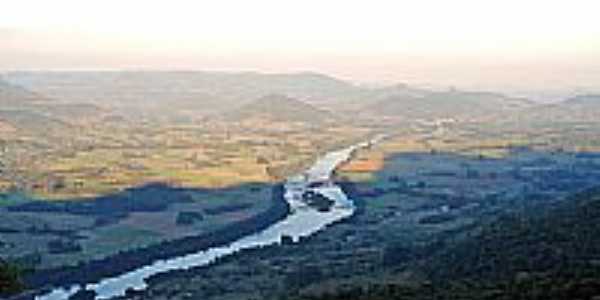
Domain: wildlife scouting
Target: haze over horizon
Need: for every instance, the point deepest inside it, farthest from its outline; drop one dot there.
(545, 45)
(299, 150)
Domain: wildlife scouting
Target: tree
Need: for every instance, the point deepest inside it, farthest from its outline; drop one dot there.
(186, 218)
(262, 160)
(10, 279)
(84, 295)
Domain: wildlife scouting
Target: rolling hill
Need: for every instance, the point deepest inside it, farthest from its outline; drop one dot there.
(581, 108)
(281, 108)
(30, 121)
(72, 112)
(578, 108)
(448, 104)
(12, 96)
(22, 108)
(5, 127)
(152, 86)
(198, 91)
(201, 93)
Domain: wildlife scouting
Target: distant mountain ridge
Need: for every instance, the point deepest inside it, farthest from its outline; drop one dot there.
(198, 94)
(204, 92)
(171, 86)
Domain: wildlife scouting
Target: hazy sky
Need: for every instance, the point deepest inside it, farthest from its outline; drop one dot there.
(469, 42)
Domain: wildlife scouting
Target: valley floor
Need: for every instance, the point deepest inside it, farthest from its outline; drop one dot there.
(430, 225)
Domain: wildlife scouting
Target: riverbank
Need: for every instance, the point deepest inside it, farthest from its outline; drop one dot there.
(131, 260)
(261, 265)
(301, 221)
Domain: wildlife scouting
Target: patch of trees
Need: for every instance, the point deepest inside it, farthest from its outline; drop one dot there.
(106, 220)
(441, 174)
(395, 253)
(472, 174)
(8, 230)
(372, 192)
(261, 160)
(255, 189)
(351, 190)
(186, 218)
(83, 294)
(303, 276)
(286, 240)
(62, 246)
(318, 201)
(46, 229)
(276, 171)
(538, 288)
(227, 208)
(10, 279)
(437, 219)
(28, 262)
(435, 201)
(149, 198)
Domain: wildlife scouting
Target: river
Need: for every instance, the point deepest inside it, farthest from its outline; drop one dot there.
(302, 221)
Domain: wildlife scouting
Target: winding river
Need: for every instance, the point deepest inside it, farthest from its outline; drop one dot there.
(302, 221)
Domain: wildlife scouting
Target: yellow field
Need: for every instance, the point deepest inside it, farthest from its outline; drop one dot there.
(106, 160)
(368, 161)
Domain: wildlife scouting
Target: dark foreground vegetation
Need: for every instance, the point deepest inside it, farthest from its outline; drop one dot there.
(10, 281)
(549, 254)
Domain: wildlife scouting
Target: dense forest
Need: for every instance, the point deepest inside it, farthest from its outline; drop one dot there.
(552, 253)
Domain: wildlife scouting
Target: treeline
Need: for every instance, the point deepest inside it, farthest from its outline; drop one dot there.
(149, 198)
(125, 261)
(228, 208)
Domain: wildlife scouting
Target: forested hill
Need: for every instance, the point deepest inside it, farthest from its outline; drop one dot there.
(553, 253)
(563, 240)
